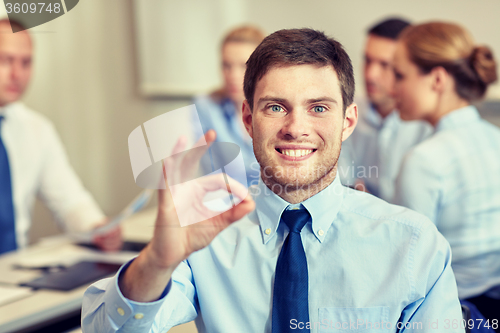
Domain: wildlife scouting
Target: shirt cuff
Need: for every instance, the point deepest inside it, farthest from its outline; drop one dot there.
(120, 309)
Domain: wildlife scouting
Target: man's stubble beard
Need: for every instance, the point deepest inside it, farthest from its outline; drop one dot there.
(292, 179)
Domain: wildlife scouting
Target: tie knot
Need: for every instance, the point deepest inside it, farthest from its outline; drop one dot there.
(295, 219)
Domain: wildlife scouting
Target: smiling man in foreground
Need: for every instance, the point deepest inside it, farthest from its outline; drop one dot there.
(310, 255)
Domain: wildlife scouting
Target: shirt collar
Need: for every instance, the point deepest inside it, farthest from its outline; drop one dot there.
(8, 110)
(458, 118)
(323, 208)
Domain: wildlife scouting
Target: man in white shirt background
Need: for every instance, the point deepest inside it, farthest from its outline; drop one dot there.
(371, 157)
(32, 159)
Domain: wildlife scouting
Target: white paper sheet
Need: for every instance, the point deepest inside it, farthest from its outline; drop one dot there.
(10, 294)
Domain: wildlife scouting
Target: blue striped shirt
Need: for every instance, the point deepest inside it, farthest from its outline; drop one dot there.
(454, 179)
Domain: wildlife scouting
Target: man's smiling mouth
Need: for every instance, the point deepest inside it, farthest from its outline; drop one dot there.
(295, 152)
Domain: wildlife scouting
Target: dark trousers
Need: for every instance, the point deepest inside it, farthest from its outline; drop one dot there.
(489, 308)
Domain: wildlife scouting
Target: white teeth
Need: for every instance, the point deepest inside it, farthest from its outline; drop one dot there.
(296, 152)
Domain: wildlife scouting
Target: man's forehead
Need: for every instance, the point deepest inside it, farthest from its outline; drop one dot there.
(284, 68)
(381, 46)
(18, 39)
(16, 44)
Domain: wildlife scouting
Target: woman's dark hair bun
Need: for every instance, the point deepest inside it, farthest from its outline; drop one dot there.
(484, 64)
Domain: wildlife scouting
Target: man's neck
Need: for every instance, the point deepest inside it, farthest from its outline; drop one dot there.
(300, 193)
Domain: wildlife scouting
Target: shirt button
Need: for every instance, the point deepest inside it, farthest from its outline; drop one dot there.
(138, 316)
(268, 231)
(120, 311)
(321, 232)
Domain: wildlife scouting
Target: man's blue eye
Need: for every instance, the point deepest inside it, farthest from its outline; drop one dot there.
(319, 109)
(276, 108)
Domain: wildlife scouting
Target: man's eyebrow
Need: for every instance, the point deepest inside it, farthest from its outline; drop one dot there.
(271, 99)
(322, 99)
(309, 101)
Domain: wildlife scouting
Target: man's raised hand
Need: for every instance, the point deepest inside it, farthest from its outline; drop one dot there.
(148, 275)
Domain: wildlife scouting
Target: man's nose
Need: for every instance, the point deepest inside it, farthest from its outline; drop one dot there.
(16, 70)
(372, 71)
(295, 125)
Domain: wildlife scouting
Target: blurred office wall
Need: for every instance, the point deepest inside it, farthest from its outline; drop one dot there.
(86, 75)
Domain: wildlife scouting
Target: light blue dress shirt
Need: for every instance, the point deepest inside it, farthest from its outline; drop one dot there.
(371, 264)
(454, 179)
(376, 148)
(223, 117)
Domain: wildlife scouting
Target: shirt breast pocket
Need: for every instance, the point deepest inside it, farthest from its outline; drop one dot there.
(372, 319)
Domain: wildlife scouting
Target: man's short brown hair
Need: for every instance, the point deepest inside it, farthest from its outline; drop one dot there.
(292, 47)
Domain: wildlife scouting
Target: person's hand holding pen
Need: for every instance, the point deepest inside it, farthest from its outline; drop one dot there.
(147, 276)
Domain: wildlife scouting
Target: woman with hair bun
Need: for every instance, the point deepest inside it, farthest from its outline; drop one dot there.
(453, 177)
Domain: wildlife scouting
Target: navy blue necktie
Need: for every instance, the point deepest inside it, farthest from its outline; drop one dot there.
(291, 284)
(7, 226)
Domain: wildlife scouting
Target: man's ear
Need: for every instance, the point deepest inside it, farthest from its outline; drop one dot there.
(247, 117)
(350, 120)
(440, 78)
